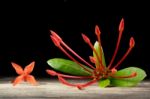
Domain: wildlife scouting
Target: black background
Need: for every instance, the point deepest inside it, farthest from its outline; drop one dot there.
(24, 31)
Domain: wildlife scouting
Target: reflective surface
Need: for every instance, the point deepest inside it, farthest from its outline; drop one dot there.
(51, 88)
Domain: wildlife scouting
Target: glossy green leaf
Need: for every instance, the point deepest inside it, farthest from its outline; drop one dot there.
(104, 83)
(127, 82)
(68, 66)
(97, 48)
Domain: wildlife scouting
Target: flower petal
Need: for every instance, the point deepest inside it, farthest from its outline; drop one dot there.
(30, 79)
(18, 80)
(29, 68)
(18, 68)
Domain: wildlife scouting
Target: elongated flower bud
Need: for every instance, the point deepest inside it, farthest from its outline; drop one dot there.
(55, 41)
(97, 30)
(56, 35)
(51, 72)
(121, 25)
(92, 59)
(113, 70)
(132, 42)
(85, 38)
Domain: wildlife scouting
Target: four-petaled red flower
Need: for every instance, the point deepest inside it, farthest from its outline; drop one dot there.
(24, 75)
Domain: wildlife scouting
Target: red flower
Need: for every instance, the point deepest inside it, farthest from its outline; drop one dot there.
(24, 75)
(100, 71)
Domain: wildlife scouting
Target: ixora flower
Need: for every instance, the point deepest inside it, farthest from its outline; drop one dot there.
(24, 75)
(105, 75)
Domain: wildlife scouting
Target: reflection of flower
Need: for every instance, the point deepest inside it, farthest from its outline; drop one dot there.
(99, 71)
(24, 75)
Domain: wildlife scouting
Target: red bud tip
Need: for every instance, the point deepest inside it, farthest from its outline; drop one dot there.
(85, 38)
(51, 72)
(134, 74)
(92, 59)
(121, 25)
(132, 42)
(56, 35)
(113, 70)
(55, 41)
(97, 30)
(79, 87)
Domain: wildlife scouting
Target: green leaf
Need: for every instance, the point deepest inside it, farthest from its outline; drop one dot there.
(68, 66)
(104, 83)
(97, 48)
(127, 82)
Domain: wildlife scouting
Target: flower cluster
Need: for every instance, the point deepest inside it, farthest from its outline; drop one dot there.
(105, 75)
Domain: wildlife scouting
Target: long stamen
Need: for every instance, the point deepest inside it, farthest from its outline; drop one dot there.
(79, 86)
(73, 52)
(131, 45)
(121, 28)
(67, 47)
(62, 49)
(87, 40)
(130, 76)
(57, 43)
(98, 33)
(62, 80)
(53, 73)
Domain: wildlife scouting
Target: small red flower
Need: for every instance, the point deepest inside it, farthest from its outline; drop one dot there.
(24, 75)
